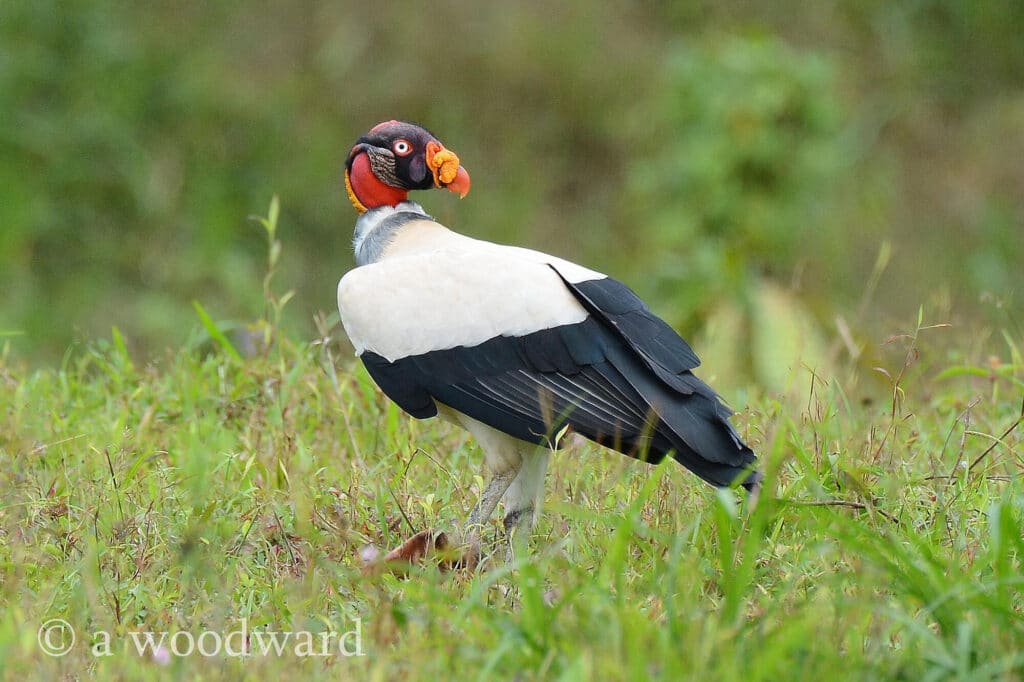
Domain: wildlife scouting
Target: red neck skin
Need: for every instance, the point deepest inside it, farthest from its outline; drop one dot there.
(369, 190)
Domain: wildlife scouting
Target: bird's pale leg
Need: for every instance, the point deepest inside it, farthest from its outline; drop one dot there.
(525, 496)
(492, 494)
(504, 457)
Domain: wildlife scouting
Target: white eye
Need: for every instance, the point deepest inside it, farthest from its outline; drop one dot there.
(401, 147)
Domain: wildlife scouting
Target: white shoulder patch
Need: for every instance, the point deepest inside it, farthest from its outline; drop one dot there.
(461, 293)
(569, 270)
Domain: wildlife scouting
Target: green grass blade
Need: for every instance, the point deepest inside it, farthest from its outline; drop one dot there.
(216, 334)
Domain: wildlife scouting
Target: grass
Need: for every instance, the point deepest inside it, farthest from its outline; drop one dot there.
(209, 487)
(191, 493)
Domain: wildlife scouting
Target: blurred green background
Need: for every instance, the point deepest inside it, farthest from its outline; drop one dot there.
(743, 166)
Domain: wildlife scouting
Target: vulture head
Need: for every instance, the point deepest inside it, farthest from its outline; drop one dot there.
(395, 157)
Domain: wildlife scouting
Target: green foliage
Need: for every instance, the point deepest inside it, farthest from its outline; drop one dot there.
(130, 158)
(737, 168)
(694, 150)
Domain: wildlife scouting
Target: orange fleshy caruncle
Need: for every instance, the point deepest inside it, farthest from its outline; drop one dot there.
(444, 164)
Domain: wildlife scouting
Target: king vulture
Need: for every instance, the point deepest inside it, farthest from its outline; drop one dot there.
(514, 345)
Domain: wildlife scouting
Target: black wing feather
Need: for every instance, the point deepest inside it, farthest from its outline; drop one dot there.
(635, 395)
(654, 341)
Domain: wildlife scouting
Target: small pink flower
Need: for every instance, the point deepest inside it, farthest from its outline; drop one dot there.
(369, 554)
(162, 655)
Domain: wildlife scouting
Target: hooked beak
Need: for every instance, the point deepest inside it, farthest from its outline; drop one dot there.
(444, 165)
